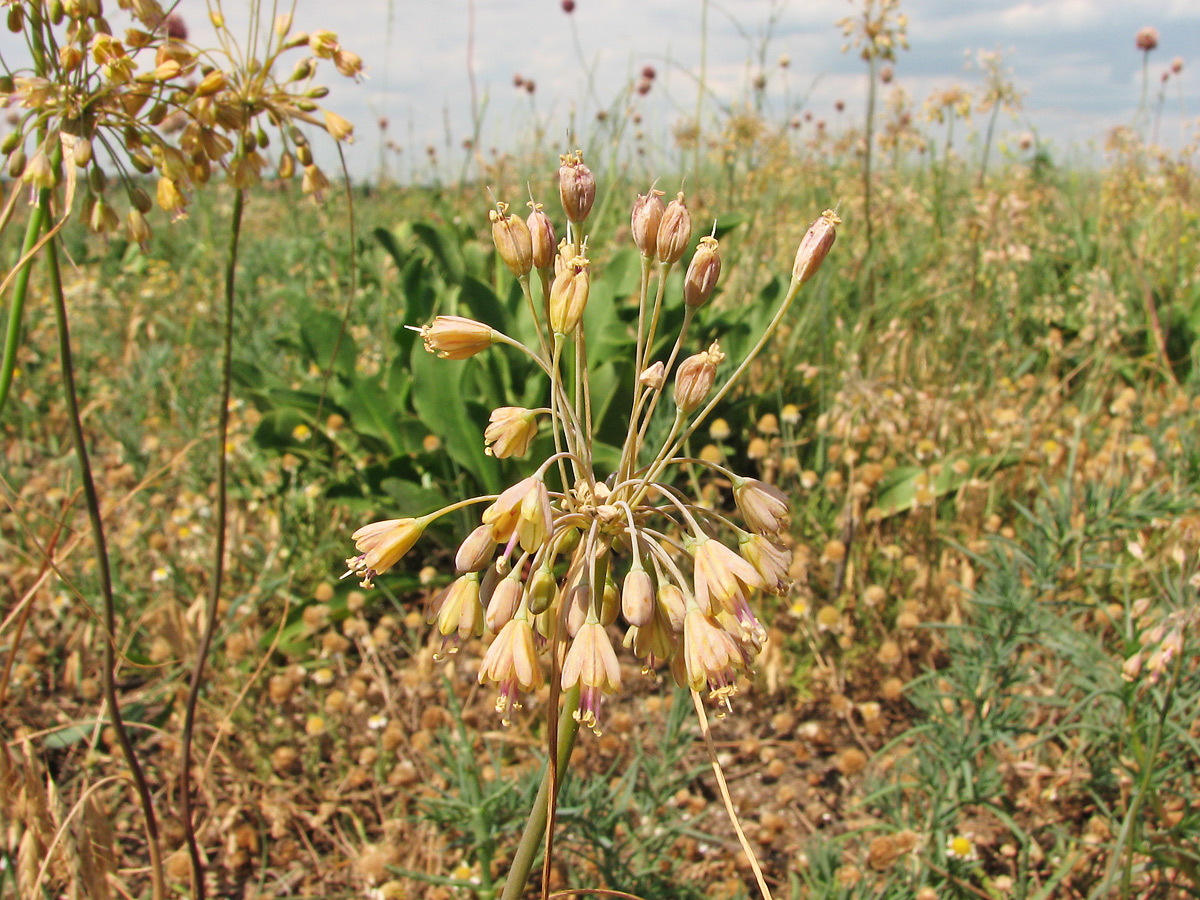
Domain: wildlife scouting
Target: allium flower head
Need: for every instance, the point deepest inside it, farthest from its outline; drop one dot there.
(1147, 38)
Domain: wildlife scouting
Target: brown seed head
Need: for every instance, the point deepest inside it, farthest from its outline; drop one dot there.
(645, 220)
(702, 273)
(814, 247)
(541, 233)
(674, 231)
(513, 240)
(695, 378)
(569, 296)
(576, 187)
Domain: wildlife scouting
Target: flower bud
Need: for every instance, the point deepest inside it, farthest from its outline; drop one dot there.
(815, 246)
(763, 506)
(569, 296)
(11, 141)
(322, 43)
(287, 166)
(542, 588)
(702, 273)
(610, 601)
(456, 337)
(503, 603)
(512, 239)
(339, 129)
(509, 432)
(213, 82)
(38, 172)
(475, 553)
(653, 376)
(674, 231)
(69, 58)
(695, 378)
(139, 228)
(349, 64)
(576, 187)
(637, 598)
(644, 222)
(541, 233)
(81, 153)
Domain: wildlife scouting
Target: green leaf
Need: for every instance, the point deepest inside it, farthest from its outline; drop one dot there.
(411, 498)
(319, 333)
(483, 304)
(899, 488)
(445, 248)
(437, 396)
(374, 412)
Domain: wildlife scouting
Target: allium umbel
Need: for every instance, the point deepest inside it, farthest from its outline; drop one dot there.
(569, 553)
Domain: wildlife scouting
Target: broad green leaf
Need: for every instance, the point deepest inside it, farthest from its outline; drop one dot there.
(320, 332)
(412, 499)
(445, 247)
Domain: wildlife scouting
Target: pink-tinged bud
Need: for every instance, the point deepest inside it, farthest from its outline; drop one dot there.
(512, 240)
(456, 337)
(541, 234)
(569, 296)
(339, 129)
(321, 42)
(653, 376)
(702, 273)
(647, 216)
(503, 603)
(509, 432)
(674, 231)
(637, 598)
(475, 553)
(576, 187)
(763, 506)
(815, 246)
(695, 378)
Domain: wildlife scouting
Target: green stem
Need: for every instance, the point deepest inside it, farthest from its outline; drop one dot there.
(218, 562)
(535, 826)
(17, 309)
(100, 545)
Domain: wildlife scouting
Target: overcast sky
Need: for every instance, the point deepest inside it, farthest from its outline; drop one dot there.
(1074, 59)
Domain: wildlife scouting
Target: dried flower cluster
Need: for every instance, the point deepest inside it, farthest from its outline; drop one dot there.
(566, 552)
(164, 112)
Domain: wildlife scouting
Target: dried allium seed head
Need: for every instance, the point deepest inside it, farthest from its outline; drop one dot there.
(512, 239)
(695, 378)
(645, 220)
(702, 273)
(509, 432)
(541, 233)
(576, 187)
(456, 337)
(569, 296)
(674, 231)
(814, 247)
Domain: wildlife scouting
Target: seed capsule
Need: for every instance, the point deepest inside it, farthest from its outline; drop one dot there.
(695, 378)
(814, 247)
(674, 231)
(576, 187)
(644, 222)
(702, 273)
(512, 239)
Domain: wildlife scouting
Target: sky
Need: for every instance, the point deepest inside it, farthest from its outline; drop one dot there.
(1075, 61)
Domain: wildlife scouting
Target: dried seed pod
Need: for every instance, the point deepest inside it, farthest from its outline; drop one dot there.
(815, 245)
(512, 239)
(702, 273)
(674, 231)
(576, 187)
(644, 222)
